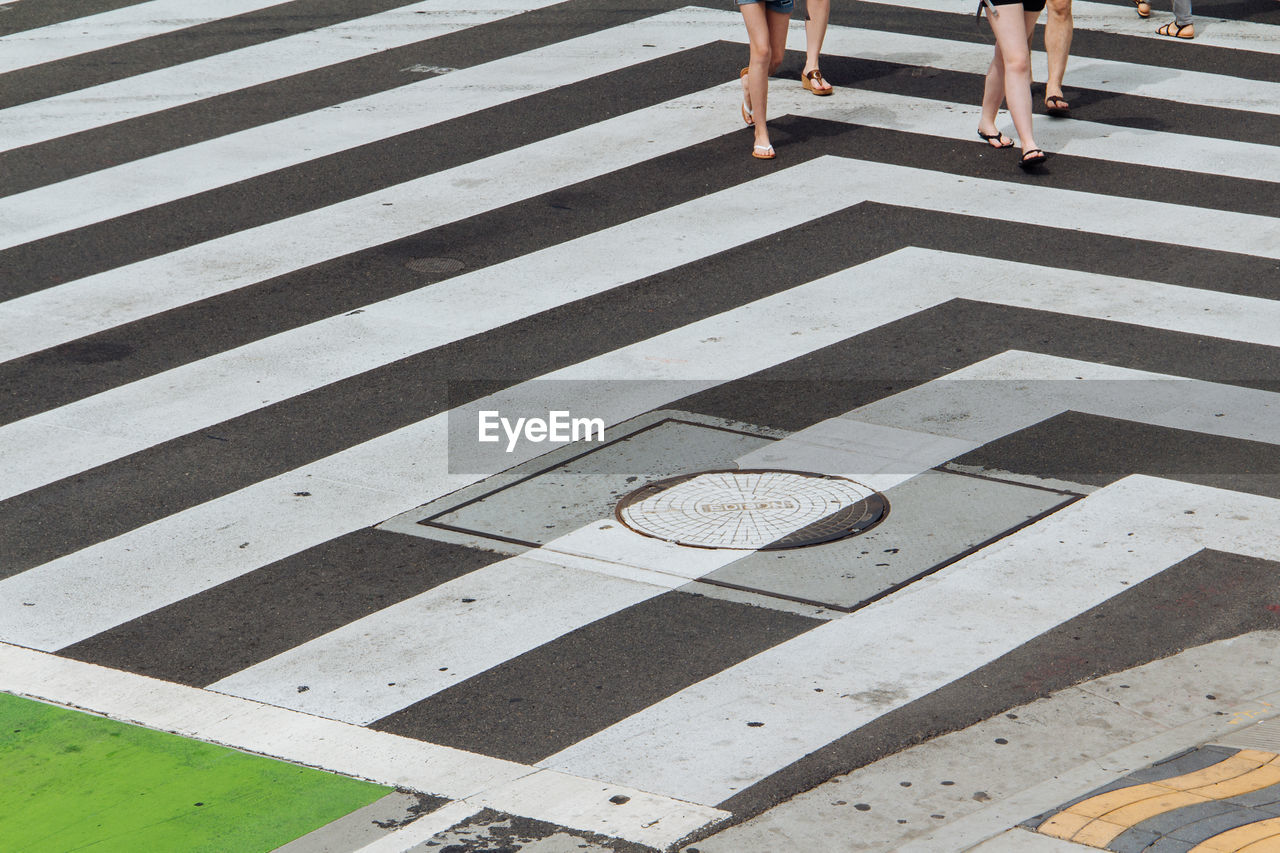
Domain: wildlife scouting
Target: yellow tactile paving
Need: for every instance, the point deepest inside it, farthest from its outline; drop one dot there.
(1266, 845)
(1151, 807)
(1260, 837)
(1098, 820)
(1064, 825)
(1264, 777)
(1098, 833)
(1224, 770)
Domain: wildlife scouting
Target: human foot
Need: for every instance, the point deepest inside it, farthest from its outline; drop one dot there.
(996, 140)
(812, 80)
(1185, 31)
(1057, 106)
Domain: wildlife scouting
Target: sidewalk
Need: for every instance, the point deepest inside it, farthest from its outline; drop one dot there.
(974, 789)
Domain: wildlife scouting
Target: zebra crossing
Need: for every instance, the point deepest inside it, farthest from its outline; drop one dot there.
(245, 286)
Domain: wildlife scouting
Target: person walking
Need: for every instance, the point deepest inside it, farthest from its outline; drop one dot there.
(1058, 29)
(816, 13)
(1009, 76)
(767, 22)
(1181, 27)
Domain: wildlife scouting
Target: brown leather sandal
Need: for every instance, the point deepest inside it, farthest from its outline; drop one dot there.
(811, 78)
(1144, 8)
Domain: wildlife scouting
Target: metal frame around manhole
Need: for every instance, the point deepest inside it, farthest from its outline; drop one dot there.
(867, 509)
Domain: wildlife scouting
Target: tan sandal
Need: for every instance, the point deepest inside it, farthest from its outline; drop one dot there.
(1144, 8)
(810, 81)
(1176, 30)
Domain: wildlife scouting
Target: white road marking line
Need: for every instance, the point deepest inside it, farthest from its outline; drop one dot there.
(1127, 78)
(130, 418)
(1113, 143)
(47, 607)
(401, 654)
(406, 838)
(165, 88)
(175, 402)
(699, 744)
(477, 780)
(1014, 390)
(147, 287)
(110, 29)
(176, 174)
(1124, 20)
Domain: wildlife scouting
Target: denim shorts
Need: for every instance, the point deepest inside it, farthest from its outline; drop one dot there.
(783, 6)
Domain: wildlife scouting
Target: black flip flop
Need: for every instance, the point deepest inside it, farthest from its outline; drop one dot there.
(1051, 106)
(1033, 158)
(996, 136)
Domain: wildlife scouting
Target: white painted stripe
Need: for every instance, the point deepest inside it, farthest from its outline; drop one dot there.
(405, 838)
(124, 420)
(179, 401)
(110, 29)
(1127, 78)
(1113, 143)
(125, 294)
(50, 606)
(1015, 390)
(893, 439)
(141, 289)
(225, 160)
(697, 744)
(240, 156)
(1123, 20)
(143, 94)
(394, 657)
(166, 177)
(387, 759)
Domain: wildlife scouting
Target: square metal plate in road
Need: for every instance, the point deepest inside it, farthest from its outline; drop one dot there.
(934, 518)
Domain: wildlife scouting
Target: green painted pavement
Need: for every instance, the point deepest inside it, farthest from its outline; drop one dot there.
(73, 781)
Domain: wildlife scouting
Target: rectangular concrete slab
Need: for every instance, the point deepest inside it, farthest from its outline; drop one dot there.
(574, 485)
(934, 518)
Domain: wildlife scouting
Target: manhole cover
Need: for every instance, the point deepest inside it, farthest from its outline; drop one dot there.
(752, 510)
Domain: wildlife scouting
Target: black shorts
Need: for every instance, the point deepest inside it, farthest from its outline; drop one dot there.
(1027, 5)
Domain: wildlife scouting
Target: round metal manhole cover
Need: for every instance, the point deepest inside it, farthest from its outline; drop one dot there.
(752, 510)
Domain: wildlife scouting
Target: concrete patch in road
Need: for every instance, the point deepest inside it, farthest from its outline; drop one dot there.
(934, 519)
(574, 485)
(365, 826)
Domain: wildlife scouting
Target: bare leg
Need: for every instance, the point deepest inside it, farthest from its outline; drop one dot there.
(767, 34)
(1058, 27)
(992, 96)
(757, 79)
(1012, 57)
(817, 12)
